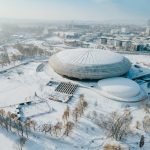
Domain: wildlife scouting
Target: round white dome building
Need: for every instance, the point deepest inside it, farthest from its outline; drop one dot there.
(89, 63)
(121, 89)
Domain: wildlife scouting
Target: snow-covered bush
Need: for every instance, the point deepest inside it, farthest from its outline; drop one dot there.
(146, 123)
(114, 145)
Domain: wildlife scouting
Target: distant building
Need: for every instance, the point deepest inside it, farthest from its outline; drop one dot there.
(117, 43)
(114, 31)
(68, 35)
(103, 40)
(76, 43)
(126, 44)
(147, 32)
(140, 47)
(110, 41)
(123, 30)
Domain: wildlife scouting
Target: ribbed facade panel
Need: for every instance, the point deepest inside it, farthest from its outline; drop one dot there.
(89, 71)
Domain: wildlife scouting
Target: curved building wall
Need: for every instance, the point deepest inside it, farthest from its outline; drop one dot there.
(90, 71)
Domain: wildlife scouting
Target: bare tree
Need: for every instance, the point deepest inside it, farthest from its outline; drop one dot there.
(57, 128)
(9, 119)
(80, 108)
(4, 119)
(46, 128)
(2, 116)
(20, 143)
(20, 127)
(146, 124)
(116, 125)
(75, 114)
(66, 114)
(27, 126)
(33, 124)
(68, 128)
(81, 105)
(30, 124)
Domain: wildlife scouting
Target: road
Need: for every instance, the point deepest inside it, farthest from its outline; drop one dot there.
(24, 63)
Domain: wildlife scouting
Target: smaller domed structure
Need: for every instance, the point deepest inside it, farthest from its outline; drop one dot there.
(121, 89)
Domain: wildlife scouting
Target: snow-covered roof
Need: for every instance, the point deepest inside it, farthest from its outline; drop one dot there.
(54, 39)
(89, 63)
(122, 89)
(89, 56)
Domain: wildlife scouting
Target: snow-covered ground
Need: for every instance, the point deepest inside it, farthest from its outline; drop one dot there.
(20, 84)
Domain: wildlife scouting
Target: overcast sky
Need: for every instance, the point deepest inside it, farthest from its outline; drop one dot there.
(97, 10)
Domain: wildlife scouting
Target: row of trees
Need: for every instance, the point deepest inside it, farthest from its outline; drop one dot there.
(31, 50)
(4, 59)
(12, 123)
(69, 118)
(80, 108)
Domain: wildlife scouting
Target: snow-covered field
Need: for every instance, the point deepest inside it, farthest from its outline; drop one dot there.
(22, 83)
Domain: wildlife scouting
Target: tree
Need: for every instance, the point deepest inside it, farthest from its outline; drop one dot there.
(2, 112)
(5, 58)
(27, 126)
(2, 116)
(9, 119)
(46, 128)
(81, 105)
(146, 124)
(66, 114)
(20, 127)
(57, 128)
(33, 124)
(6, 123)
(68, 128)
(20, 143)
(75, 114)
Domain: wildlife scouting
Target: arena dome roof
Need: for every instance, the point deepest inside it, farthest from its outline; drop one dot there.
(89, 63)
(121, 89)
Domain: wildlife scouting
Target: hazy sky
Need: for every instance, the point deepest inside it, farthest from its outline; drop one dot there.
(75, 9)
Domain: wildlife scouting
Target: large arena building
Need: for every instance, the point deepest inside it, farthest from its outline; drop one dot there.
(89, 64)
